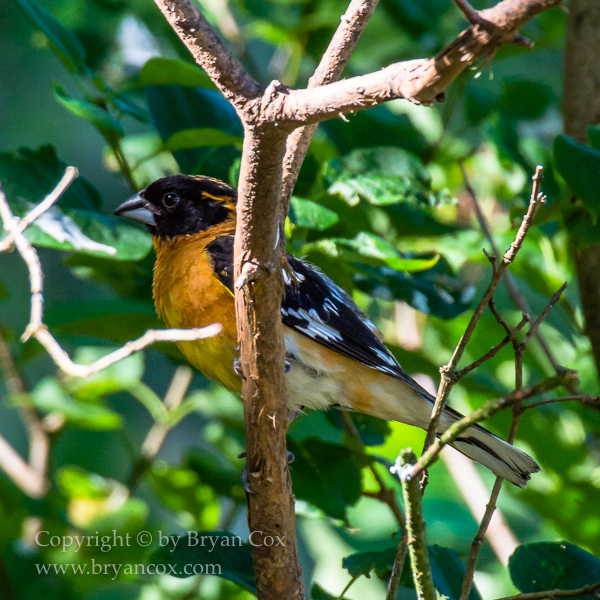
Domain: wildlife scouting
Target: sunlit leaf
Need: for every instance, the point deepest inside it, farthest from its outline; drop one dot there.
(172, 71)
(306, 213)
(100, 118)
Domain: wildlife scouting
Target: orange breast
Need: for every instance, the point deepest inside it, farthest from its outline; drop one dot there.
(187, 294)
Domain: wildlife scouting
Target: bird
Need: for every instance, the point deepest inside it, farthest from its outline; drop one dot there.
(335, 356)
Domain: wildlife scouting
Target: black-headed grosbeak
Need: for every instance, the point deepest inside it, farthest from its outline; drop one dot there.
(335, 354)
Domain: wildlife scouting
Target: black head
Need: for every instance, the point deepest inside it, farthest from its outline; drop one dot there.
(181, 205)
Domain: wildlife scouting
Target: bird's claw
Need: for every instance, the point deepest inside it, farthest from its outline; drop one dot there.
(287, 367)
(245, 482)
(237, 367)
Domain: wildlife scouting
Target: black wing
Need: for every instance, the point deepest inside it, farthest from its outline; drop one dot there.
(318, 308)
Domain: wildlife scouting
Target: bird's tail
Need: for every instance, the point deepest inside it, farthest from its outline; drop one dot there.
(500, 457)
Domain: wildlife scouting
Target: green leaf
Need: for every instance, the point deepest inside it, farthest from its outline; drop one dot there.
(90, 233)
(232, 558)
(172, 71)
(446, 569)
(362, 563)
(378, 126)
(98, 117)
(62, 40)
(309, 214)
(176, 108)
(326, 475)
(593, 135)
(199, 138)
(370, 249)
(381, 176)
(553, 565)
(580, 167)
(372, 430)
(435, 291)
(50, 397)
(213, 469)
(32, 174)
(448, 573)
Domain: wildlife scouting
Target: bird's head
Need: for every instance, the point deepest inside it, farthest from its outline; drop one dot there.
(181, 205)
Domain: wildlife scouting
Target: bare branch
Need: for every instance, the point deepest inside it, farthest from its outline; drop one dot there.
(485, 412)
(514, 292)
(61, 358)
(493, 350)
(330, 69)
(25, 477)
(447, 372)
(260, 333)
(398, 567)
(421, 81)
(209, 51)
(591, 401)
(535, 325)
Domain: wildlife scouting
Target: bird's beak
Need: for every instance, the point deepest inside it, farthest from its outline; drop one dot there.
(136, 209)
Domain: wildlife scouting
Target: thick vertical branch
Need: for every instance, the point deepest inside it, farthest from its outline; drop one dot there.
(581, 107)
(259, 289)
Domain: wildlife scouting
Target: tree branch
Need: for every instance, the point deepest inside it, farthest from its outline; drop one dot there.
(448, 371)
(330, 69)
(421, 81)
(487, 410)
(258, 262)
(553, 594)
(209, 51)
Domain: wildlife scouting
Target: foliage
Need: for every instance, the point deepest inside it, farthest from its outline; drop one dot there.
(380, 207)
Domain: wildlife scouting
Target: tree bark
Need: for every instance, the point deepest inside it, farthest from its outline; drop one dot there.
(581, 107)
(259, 290)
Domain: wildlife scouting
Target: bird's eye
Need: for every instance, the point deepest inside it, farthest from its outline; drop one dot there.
(170, 200)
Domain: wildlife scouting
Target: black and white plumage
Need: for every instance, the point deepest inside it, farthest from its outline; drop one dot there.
(337, 358)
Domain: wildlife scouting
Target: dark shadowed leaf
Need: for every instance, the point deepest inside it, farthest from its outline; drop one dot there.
(176, 108)
(213, 469)
(32, 174)
(212, 548)
(63, 41)
(553, 565)
(371, 429)
(580, 167)
(325, 475)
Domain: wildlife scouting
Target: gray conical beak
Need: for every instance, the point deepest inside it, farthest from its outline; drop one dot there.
(136, 209)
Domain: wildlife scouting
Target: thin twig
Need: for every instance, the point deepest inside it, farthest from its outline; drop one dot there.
(536, 324)
(70, 175)
(591, 401)
(485, 412)
(415, 525)
(493, 350)
(553, 594)
(22, 474)
(448, 371)
(37, 329)
(330, 69)
(517, 411)
(514, 292)
(398, 567)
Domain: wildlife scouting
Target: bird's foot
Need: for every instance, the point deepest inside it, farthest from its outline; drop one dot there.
(245, 482)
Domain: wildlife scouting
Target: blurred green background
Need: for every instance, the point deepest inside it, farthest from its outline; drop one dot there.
(380, 206)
